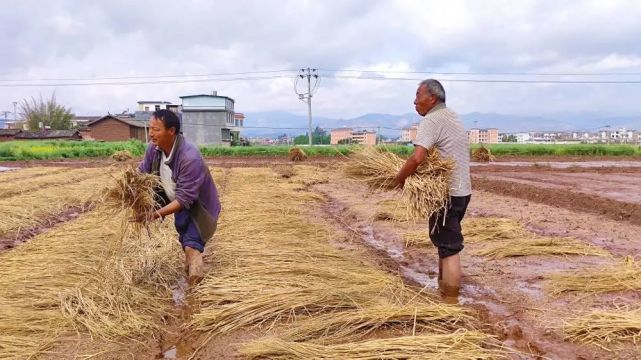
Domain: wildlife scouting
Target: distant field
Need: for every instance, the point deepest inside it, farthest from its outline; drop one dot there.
(283, 150)
(563, 149)
(43, 150)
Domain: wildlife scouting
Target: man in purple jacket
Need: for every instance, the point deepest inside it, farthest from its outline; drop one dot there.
(188, 190)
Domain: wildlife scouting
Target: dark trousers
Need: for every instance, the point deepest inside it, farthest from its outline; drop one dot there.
(445, 227)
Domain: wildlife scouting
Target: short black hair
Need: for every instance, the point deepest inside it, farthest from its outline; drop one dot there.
(168, 118)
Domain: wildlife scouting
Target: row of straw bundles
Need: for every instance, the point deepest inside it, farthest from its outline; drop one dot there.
(425, 192)
(482, 154)
(133, 194)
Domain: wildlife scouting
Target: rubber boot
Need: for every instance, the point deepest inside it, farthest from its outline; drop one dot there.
(196, 266)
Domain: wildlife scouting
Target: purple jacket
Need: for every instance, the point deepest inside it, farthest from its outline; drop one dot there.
(195, 188)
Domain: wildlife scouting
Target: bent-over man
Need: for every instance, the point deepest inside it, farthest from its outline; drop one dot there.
(188, 190)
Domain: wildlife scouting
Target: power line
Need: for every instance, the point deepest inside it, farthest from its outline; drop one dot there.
(149, 76)
(509, 81)
(148, 82)
(485, 73)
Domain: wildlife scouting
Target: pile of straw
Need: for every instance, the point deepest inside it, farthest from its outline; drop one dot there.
(297, 154)
(122, 155)
(274, 268)
(134, 194)
(461, 345)
(542, 246)
(36, 208)
(81, 276)
(482, 154)
(625, 275)
(602, 328)
(310, 175)
(425, 192)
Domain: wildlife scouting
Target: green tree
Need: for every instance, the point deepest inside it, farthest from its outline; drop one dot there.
(316, 139)
(48, 112)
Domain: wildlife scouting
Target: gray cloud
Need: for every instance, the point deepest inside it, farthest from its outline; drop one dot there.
(125, 38)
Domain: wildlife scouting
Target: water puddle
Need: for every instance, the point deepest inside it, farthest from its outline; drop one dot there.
(393, 251)
(419, 277)
(2, 168)
(179, 291)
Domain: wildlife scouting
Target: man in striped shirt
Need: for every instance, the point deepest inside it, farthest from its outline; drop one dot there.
(442, 129)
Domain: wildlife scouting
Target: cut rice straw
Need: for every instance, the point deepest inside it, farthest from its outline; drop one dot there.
(425, 316)
(543, 246)
(133, 194)
(417, 238)
(605, 328)
(425, 193)
(461, 345)
(625, 275)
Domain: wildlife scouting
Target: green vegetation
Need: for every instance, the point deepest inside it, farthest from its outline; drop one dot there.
(283, 150)
(47, 113)
(563, 149)
(38, 150)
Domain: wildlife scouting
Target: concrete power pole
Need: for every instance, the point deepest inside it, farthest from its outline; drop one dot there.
(307, 97)
(15, 114)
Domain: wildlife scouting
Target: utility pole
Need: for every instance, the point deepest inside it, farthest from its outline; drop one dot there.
(307, 97)
(15, 114)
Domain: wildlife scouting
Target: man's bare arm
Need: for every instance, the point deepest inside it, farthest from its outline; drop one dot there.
(412, 163)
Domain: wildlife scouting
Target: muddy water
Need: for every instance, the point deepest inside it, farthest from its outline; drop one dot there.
(564, 164)
(2, 168)
(508, 300)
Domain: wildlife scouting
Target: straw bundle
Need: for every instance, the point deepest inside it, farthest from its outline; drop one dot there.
(75, 277)
(417, 238)
(425, 192)
(297, 154)
(122, 155)
(389, 210)
(17, 187)
(602, 328)
(310, 175)
(461, 345)
(623, 276)
(133, 194)
(355, 325)
(542, 246)
(273, 266)
(36, 208)
(482, 154)
(487, 229)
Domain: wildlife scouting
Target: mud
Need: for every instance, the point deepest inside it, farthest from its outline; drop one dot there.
(562, 198)
(508, 294)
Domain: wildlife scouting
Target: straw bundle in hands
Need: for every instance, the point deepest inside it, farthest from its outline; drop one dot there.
(297, 154)
(134, 195)
(425, 192)
(122, 155)
(482, 154)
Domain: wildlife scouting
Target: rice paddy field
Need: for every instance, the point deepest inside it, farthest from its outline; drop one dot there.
(309, 263)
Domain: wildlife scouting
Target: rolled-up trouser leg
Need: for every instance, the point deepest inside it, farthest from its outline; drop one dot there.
(189, 236)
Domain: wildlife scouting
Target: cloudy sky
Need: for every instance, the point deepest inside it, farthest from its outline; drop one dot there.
(93, 42)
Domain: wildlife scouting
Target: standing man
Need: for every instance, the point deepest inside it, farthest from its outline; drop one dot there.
(442, 129)
(188, 190)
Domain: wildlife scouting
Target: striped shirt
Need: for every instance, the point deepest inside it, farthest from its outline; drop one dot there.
(441, 128)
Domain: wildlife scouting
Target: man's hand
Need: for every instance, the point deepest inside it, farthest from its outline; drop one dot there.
(417, 157)
(145, 217)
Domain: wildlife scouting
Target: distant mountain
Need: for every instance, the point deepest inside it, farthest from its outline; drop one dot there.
(263, 123)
